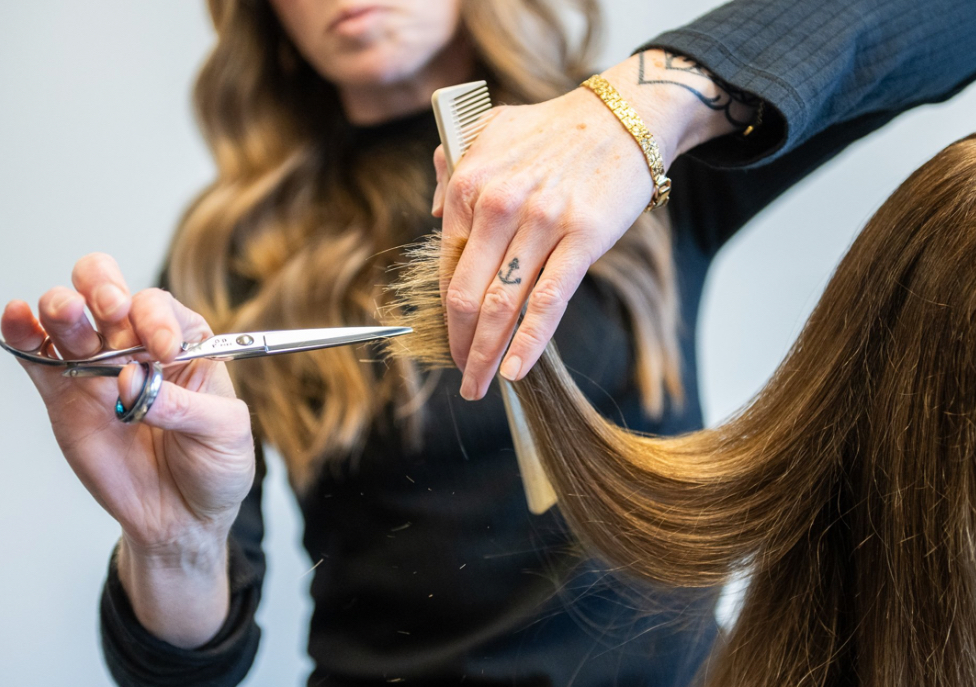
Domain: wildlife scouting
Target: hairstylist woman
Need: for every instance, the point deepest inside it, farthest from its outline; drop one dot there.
(432, 571)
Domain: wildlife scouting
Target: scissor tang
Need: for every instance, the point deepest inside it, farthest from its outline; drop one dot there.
(41, 356)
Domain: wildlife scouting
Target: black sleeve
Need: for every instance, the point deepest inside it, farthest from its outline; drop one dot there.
(829, 71)
(713, 203)
(819, 63)
(136, 658)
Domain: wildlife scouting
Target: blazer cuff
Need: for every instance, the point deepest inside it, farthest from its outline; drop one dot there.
(783, 109)
(137, 658)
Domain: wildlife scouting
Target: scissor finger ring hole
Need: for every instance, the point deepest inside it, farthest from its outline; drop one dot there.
(46, 348)
(147, 395)
(50, 350)
(102, 344)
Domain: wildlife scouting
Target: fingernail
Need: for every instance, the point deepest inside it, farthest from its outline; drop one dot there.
(162, 342)
(511, 367)
(468, 388)
(108, 299)
(136, 379)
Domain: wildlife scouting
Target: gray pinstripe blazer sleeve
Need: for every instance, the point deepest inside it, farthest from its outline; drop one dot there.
(821, 62)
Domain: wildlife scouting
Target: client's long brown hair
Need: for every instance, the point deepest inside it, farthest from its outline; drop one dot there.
(846, 489)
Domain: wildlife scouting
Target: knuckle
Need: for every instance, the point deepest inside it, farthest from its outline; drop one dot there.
(141, 306)
(462, 186)
(582, 219)
(498, 202)
(530, 337)
(500, 302)
(241, 415)
(235, 420)
(582, 250)
(540, 213)
(479, 358)
(150, 299)
(459, 303)
(156, 292)
(47, 298)
(176, 406)
(547, 295)
(52, 302)
(581, 224)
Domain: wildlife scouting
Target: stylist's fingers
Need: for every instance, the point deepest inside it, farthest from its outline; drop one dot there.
(502, 304)
(162, 323)
(440, 168)
(62, 315)
(98, 278)
(20, 328)
(460, 194)
(221, 420)
(495, 222)
(559, 280)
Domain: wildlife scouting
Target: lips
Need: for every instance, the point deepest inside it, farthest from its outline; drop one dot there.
(352, 17)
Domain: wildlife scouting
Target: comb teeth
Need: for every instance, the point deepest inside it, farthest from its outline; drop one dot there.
(459, 111)
(466, 112)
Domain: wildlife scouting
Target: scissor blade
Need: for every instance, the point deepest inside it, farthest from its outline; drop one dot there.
(291, 340)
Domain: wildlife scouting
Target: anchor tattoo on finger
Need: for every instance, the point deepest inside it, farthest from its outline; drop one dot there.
(507, 278)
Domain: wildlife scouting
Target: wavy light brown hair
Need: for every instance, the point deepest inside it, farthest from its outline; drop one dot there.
(846, 489)
(298, 231)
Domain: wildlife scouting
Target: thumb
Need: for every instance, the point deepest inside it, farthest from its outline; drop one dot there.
(193, 413)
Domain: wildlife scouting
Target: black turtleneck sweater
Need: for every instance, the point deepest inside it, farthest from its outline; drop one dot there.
(432, 570)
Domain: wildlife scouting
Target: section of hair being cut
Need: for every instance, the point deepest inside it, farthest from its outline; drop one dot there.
(300, 224)
(845, 489)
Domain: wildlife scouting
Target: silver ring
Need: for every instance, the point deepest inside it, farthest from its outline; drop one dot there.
(147, 396)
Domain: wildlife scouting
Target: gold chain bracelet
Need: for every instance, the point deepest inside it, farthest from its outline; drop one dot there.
(635, 125)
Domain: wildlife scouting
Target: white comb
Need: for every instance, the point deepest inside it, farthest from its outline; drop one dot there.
(459, 112)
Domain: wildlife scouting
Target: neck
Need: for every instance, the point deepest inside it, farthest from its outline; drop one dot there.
(365, 105)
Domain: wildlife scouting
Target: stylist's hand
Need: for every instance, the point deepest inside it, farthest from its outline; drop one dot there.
(551, 185)
(175, 481)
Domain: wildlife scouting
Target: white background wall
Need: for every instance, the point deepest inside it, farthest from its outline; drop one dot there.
(98, 151)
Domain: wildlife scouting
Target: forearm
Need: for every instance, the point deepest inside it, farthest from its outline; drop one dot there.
(180, 597)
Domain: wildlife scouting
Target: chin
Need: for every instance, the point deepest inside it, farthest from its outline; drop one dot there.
(370, 68)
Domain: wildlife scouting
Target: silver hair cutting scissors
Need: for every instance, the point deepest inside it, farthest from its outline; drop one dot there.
(220, 347)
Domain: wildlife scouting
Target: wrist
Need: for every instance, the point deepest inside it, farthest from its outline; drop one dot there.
(634, 124)
(669, 93)
(180, 594)
(200, 556)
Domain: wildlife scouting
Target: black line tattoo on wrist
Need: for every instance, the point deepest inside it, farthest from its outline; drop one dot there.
(723, 102)
(507, 278)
